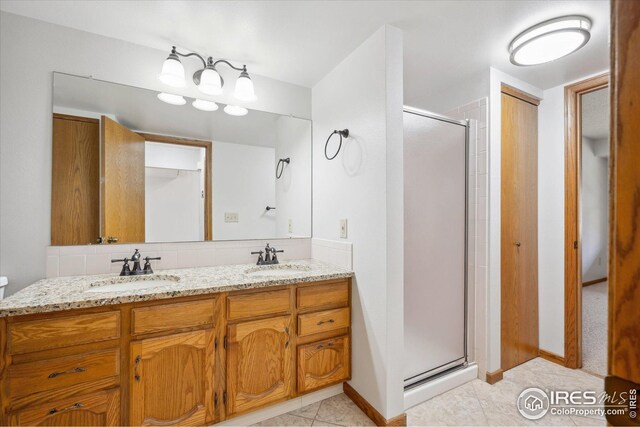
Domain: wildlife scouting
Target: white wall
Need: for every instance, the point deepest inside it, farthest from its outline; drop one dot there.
(293, 189)
(30, 51)
(364, 185)
(551, 167)
(243, 183)
(174, 185)
(594, 194)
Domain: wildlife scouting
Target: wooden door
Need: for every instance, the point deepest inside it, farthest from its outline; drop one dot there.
(519, 231)
(259, 364)
(323, 363)
(122, 182)
(172, 380)
(96, 409)
(624, 236)
(75, 188)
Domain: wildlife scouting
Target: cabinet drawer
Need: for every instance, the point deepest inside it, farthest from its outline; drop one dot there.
(323, 363)
(258, 304)
(323, 321)
(95, 409)
(44, 334)
(173, 316)
(33, 377)
(323, 296)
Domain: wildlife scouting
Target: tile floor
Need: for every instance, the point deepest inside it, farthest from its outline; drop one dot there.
(474, 403)
(594, 328)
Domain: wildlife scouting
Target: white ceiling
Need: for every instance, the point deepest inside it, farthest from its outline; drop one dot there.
(300, 41)
(595, 114)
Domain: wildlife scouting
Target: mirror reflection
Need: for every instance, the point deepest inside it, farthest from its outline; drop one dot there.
(128, 168)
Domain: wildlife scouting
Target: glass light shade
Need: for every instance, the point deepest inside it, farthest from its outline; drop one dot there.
(203, 105)
(210, 82)
(172, 72)
(171, 99)
(234, 110)
(244, 88)
(550, 40)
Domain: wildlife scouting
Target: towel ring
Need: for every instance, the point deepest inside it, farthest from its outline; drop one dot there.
(281, 169)
(343, 133)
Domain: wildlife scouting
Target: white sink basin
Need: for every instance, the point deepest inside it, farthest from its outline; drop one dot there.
(277, 270)
(132, 283)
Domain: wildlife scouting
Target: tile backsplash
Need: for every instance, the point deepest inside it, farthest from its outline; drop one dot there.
(96, 259)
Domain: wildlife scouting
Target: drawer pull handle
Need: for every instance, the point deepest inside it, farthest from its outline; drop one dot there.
(68, 408)
(70, 371)
(322, 346)
(135, 369)
(322, 322)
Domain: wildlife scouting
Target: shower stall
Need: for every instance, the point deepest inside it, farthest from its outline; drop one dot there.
(435, 244)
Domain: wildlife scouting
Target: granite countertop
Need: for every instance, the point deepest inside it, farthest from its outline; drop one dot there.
(64, 293)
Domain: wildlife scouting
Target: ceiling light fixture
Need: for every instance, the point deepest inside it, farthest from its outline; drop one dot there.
(234, 110)
(171, 99)
(550, 40)
(202, 105)
(208, 79)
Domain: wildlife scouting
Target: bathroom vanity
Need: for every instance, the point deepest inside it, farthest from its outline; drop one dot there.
(201, 346)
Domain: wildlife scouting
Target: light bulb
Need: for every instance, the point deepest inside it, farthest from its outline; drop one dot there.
(244, 87)
(203, 105)
(171, 99)
(234, 110)
(172, 72)
(210, 82)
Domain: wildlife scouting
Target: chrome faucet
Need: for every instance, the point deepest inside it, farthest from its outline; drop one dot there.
(270, 256)
(126, 271)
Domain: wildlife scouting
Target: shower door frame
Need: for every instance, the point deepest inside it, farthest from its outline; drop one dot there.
(425, 376)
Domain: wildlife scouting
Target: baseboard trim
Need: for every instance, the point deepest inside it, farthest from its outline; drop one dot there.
(495, 376)
(594, 282)
(551, 357)
(370, 411)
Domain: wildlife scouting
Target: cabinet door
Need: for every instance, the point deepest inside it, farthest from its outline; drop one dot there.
(259, 364)
(172, 379)
(323, 363)
(96, 409)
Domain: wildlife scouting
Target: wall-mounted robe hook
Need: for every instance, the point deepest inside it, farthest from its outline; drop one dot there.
(280, 166)
(344, 133)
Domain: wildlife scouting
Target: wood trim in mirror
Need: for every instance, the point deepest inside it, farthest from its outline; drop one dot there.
(208, 177)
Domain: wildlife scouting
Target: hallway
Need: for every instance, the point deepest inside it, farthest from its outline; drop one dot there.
(594, 328)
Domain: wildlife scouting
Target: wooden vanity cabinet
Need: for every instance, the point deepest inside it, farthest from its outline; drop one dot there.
(259, 364)
(172, 379)
(194, 360)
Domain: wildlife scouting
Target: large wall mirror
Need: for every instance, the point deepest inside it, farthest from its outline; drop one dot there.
(129, 168)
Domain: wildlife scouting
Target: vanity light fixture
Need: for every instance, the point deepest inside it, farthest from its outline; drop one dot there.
(171, 98)
(234, 110)
(207, 79)
(202, 105)
(550, 40)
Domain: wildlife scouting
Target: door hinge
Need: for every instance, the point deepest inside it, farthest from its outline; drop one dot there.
(575, 244)
(215, 344)
(215, 399)
(226, 342)
(224, 397)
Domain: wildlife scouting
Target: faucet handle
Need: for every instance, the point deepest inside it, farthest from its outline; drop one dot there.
(260, 259)
(126, 271)
(147, 265)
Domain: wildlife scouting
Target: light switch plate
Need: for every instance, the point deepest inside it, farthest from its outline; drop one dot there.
(343, 228)
(230, 217)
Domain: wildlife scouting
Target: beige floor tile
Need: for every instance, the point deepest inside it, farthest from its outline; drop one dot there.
(587, 421)
(341, 410)
(309, 411)
(317, 423)
(286, 420)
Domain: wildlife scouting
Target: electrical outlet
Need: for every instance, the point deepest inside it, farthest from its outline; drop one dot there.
(230, 217)
(343, 228)
(290, 226)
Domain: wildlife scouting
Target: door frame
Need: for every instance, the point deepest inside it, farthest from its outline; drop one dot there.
(572, 203)
(208, 177)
